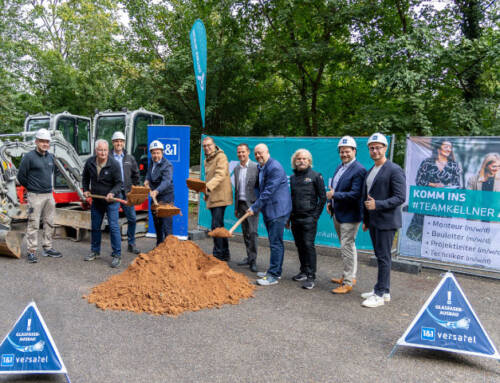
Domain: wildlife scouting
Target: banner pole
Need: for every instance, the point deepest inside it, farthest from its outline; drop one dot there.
(67, 378)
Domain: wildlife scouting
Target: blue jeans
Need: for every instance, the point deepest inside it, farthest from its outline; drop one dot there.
(129, 212)
(275, 228)
(97, 211)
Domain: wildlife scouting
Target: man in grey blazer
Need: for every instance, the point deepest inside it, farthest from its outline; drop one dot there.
(246, 176)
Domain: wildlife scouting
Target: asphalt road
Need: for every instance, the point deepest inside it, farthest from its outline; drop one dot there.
(284, 334)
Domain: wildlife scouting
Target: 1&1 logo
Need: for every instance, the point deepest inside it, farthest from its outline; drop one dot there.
(171, 148)
(7, 360)
(428, 333)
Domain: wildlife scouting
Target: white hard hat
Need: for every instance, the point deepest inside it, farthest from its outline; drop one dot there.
(118, 136)
(155, 145)
(43, 134)
(377, 137)
(347, 141)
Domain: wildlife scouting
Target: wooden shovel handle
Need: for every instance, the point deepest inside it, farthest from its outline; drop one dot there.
(238, 222)
(111, 199)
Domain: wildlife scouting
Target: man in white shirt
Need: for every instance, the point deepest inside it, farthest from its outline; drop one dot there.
(246, 176)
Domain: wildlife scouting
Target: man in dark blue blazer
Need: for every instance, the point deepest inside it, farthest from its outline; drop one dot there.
(275, 203)
(346, 208)
(385, 191)
(160, 179)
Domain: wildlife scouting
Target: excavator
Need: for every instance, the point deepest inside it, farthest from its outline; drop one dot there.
(72, 143)
(68, 164)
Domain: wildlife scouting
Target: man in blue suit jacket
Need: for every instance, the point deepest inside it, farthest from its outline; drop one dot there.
(346, 208)
(385, 193)
(275, 203)
(160, 179)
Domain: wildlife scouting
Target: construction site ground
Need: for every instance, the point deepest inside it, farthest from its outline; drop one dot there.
(283, 334)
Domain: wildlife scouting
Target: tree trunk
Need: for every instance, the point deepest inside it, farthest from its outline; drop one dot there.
(471, 28)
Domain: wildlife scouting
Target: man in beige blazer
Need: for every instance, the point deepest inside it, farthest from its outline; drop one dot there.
(219, 193)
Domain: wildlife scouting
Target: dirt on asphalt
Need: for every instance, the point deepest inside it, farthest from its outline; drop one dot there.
(174, 277)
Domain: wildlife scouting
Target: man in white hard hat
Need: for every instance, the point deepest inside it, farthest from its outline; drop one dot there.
(385, 192)
(346, 208)
(219, 193)
(160, 179)
(36, 175)
(130, 176)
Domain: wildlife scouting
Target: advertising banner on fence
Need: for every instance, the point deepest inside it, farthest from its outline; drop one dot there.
(325, 161)
(452, 213)
(448, 322)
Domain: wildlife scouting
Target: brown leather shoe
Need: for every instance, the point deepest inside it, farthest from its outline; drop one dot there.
(342, 289)
(340, 281)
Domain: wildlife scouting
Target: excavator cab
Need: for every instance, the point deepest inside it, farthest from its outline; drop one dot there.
(75, 129)
(134, 124)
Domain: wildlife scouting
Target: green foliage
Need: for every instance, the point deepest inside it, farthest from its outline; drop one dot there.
(281, 67)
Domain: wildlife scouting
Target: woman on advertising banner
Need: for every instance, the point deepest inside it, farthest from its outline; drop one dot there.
(488, 178)
(438, 171)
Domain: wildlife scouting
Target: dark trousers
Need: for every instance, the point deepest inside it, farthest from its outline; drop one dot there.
(221, 245)
(304, 232)
(129, 212)
(275, 228)
(382, 244)
(163, 228)
(97, 211)
(249, 227)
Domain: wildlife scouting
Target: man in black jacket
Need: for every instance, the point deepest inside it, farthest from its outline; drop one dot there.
(308, 199)
(35, 174)
(102, 176)
(130, 176)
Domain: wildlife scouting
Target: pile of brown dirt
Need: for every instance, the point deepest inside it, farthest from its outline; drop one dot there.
(220, 232)
(174, 277)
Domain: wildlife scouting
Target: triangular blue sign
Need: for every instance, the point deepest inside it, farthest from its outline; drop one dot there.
(447, 322)
(29, 348)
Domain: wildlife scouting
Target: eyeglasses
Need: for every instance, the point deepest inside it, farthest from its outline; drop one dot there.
(376, 148)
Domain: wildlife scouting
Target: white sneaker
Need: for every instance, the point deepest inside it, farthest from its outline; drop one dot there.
(267, 281)
(386, 296)
(373, 301)
(263, 274)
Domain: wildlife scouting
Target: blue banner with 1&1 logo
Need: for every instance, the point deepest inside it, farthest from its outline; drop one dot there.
(175, 140)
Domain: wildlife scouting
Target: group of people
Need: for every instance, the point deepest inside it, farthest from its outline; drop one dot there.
(355, 196)
(108, 175)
